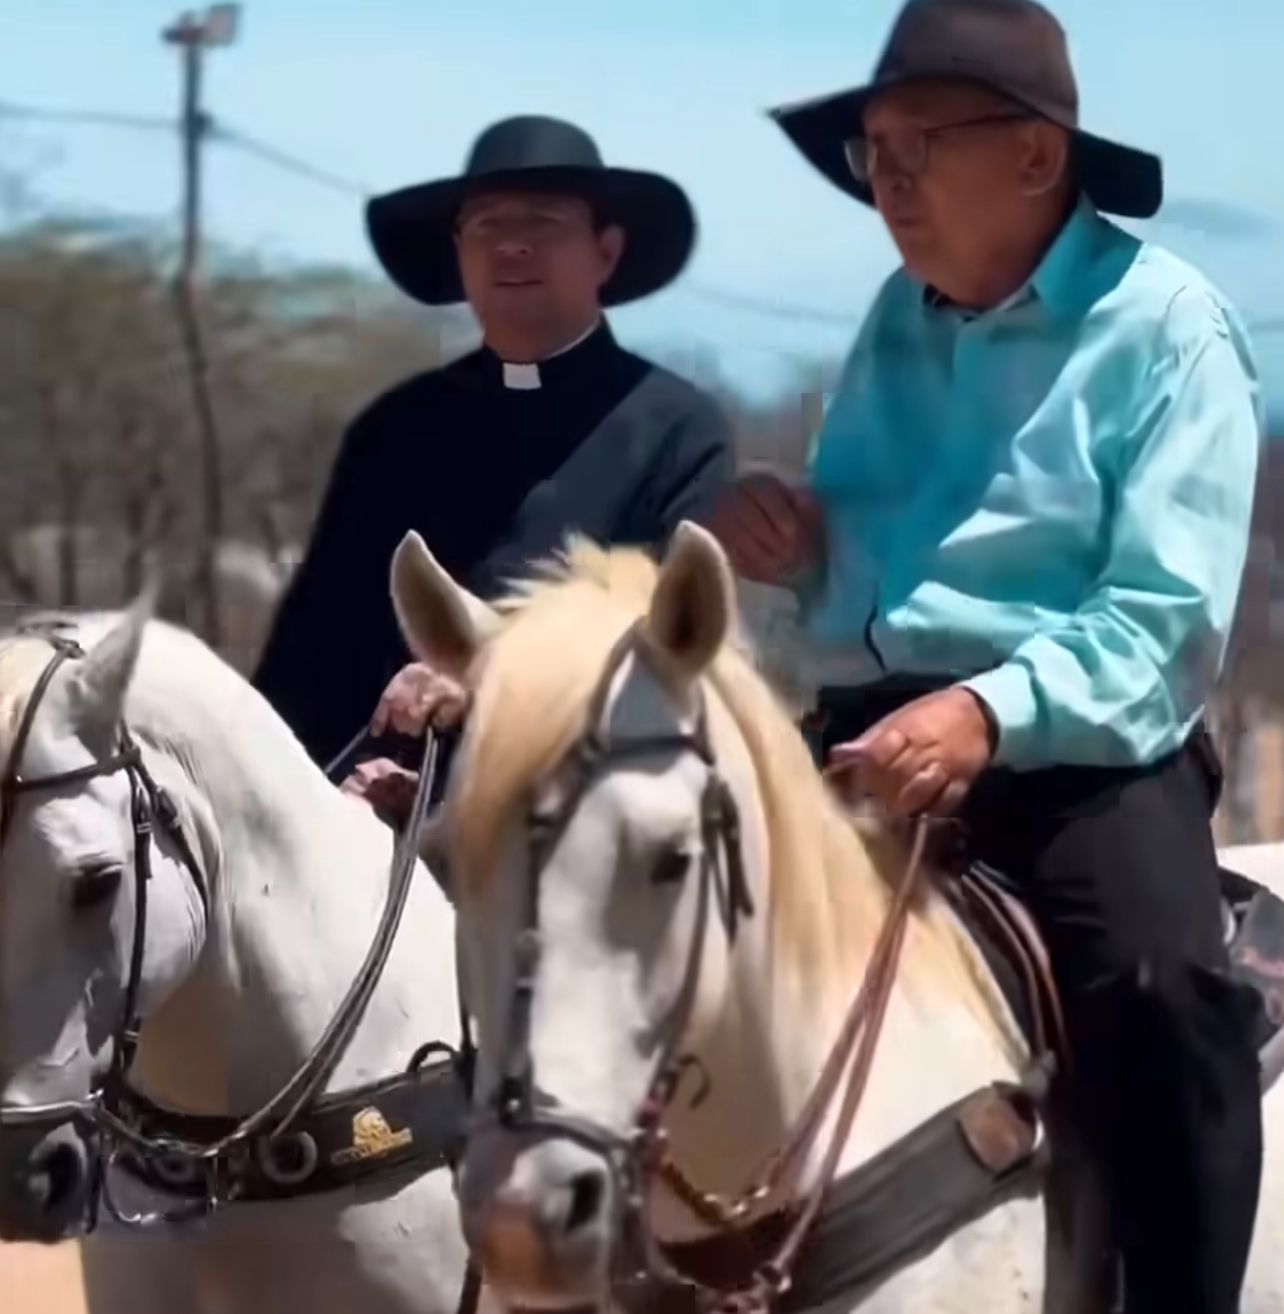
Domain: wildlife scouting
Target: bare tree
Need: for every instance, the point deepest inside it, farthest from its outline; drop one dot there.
(96, 427)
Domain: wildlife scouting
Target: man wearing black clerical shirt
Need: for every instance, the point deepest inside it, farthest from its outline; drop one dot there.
(549, 428)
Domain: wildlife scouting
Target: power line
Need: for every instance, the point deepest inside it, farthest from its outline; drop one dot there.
(97, 118)
(283, 160)
(214, 130)
(770, 307)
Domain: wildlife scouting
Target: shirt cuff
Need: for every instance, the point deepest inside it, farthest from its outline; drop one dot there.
(1008, 691)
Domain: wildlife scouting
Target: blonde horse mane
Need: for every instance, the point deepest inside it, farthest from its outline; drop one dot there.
(830, 882)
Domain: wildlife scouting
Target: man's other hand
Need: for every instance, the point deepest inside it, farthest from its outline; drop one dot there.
(769, 529)
(418, 697)
(386, 786)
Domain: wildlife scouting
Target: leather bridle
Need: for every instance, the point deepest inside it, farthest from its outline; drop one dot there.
(111, 1111)
(150, 808)
(639, 1157)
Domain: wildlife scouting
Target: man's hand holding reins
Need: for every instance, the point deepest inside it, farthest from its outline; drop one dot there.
(923, 758)
(417, 697)
(385, 785)
(770, 530)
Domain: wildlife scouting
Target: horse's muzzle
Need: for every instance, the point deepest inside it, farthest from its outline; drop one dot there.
(45, 1181)
(539, 1212)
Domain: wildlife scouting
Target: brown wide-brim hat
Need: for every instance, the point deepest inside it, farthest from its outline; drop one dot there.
(413, 230)
(1014, 47)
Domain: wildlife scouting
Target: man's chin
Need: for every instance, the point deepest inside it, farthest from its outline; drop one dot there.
(526, 306)
(911, 238)
(519, 294)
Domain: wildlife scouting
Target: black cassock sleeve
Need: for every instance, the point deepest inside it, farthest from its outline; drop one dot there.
(334, 642)
(698, 463)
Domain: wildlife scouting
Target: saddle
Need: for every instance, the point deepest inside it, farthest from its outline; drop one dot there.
(1005, 932)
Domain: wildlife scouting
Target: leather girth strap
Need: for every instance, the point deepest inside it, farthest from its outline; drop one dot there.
(947, 1172)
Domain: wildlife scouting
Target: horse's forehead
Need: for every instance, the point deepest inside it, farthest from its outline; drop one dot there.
(638, 702)
(77, 828)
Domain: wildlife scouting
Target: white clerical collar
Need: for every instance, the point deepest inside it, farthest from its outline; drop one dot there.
(526, 378)
(521, 377)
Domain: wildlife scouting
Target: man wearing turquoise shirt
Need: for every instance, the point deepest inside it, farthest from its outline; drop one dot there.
(1019, 556)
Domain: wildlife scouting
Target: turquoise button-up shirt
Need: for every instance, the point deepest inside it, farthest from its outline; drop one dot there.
(1049, 500)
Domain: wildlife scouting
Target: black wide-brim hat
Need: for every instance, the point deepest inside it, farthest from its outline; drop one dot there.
(413, 230)
(1014, 47)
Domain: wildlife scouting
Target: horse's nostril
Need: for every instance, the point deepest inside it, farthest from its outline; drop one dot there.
(37, 1186)
(588, 1190)
(53, 1177)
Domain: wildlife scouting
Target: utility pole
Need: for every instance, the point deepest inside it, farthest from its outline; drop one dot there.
(194, 34)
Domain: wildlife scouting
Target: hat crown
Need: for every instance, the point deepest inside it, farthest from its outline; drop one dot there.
(1015, 46)
(532, 141)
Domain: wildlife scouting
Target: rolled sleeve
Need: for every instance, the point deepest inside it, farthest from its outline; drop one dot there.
(1124, 680)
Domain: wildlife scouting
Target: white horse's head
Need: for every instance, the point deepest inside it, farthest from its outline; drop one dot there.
(69, 884)
(606, 829)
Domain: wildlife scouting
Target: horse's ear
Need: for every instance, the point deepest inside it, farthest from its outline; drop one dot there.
(693, 607)
(100, 680)
(443, 623)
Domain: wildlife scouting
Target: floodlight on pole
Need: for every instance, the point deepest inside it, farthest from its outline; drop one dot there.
(221, 24)
(217, 26)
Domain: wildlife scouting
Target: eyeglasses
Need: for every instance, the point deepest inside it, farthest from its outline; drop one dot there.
(911, 153)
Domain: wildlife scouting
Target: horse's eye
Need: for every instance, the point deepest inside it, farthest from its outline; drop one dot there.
(94, 884)
(671, 867)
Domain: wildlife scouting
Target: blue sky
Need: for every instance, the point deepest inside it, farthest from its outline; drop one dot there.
(387, 92)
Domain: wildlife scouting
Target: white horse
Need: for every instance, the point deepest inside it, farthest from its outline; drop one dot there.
(612, 858)
(233, 997)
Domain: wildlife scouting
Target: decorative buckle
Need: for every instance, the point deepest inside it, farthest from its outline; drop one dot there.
(286, 1160)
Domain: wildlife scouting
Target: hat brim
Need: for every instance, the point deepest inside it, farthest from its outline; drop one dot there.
(1117, 179)
(413, 230)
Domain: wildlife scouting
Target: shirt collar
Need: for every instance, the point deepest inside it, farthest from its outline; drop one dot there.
(1062, 275)
(1058, 280)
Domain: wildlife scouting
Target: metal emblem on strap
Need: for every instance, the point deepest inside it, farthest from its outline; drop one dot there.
(372, 1138)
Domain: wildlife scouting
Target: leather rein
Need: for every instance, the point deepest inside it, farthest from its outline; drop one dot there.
(641, 1157)
(111, 1111)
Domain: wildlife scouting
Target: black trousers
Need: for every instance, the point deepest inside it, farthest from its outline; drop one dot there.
(1120, 870)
